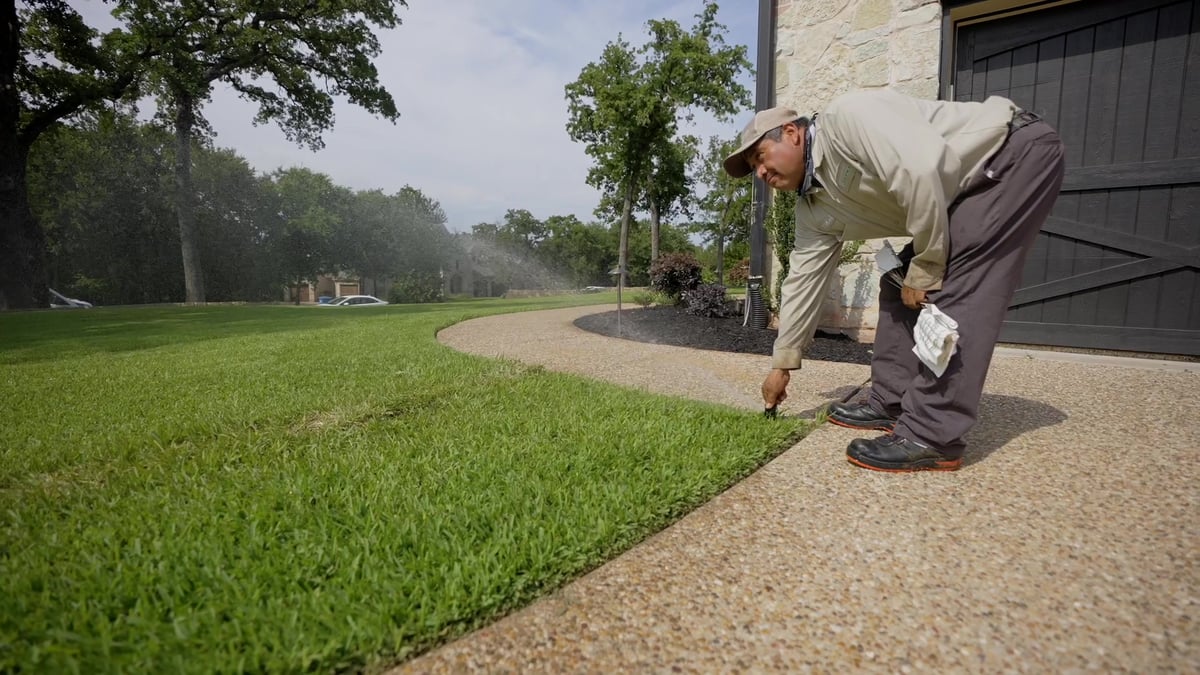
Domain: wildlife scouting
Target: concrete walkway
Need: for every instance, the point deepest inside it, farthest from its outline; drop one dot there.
(1070, 541)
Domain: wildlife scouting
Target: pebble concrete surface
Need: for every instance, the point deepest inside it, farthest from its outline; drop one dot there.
(1068, 542)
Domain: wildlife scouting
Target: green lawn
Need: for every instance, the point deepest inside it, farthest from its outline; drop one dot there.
(275, 488)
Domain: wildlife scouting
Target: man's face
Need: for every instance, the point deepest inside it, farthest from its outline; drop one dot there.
(780, 163)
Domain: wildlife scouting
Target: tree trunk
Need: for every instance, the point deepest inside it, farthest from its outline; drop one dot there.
(22, 243)
(623, 256)
(721, 259)
(721, 230)
(23, 281)
(654, 229)
(185, 200)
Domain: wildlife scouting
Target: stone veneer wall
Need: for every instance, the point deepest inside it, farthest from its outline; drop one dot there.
(824, 48)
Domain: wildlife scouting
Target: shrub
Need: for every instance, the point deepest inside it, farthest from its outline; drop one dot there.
(674, 273)
(739, 274)
(706, 300)
(415, 287)
(645, 298)
(850, 251)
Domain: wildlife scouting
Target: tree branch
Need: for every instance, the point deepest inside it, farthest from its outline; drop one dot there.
(41, 120)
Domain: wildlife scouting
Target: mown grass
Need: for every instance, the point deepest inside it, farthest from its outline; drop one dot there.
(272, 488)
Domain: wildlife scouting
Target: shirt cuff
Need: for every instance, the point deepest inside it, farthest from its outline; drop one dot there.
(786, 359)
(924, 276)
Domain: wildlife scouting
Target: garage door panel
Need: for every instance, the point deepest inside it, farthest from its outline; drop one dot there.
(1048, 93)
(1177, 300)
(1120, 251)
(1103, 94)
(1112, 300)
(1086, 14)
(1076, 86)
(1142, 311)
(1093, 208)
(1154, 205)
(1182, 227)
(1188, 142)
(1133, 98)
(1167, 85)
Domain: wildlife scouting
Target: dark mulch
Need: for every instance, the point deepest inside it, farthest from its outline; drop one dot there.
(673, 326)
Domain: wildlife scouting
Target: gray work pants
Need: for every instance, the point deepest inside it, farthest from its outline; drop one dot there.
(993, 223)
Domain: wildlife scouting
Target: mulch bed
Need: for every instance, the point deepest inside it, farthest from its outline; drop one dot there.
(675, 327)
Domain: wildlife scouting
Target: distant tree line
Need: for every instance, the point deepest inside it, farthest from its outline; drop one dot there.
(563, 252)
(102, 191)
(98, 204)
(289, 58)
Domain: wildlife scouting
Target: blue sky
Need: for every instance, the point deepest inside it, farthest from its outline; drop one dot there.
(479, 85)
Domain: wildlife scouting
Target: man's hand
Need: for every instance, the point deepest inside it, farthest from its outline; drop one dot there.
(774, 388)
(912, 298)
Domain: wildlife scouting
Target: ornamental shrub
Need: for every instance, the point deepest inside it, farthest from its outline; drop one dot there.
(674, 273)
(739, 274)
(706, 300)
(645, 298)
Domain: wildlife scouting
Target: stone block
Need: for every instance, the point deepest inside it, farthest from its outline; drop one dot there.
(915, 53)
(813, 43)
(870, 50)
(862, 37)
(923, 88)
(872, 14)
(874, 72)
(815, 12)
(906, 5)
(927, 15)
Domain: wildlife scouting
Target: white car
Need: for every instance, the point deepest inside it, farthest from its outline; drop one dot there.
(60, 301)
(355, 301)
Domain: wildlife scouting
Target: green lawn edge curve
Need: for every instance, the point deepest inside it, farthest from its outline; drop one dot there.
(277, 488)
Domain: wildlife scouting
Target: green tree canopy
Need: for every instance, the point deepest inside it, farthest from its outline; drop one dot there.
(52, 65)
(290, 57)
(725, 204)
(309, 211)
(626, 107)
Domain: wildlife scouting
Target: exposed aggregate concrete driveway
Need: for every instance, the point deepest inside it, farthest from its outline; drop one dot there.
(1068, 542)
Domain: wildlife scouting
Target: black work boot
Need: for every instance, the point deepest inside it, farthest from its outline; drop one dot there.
(859, 416)
(892, 453)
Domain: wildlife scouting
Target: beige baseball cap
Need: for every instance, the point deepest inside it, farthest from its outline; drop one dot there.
(764, 121)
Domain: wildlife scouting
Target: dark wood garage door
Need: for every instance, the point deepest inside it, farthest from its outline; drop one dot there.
(1117, 266)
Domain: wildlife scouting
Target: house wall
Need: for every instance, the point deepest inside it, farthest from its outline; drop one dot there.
(824, 48)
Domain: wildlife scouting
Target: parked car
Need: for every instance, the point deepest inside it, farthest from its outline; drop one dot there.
(60, 301)
(354, 301)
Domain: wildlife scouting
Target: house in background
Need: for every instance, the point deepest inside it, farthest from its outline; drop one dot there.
(1117, 266)
(326, 285)
(467, 274)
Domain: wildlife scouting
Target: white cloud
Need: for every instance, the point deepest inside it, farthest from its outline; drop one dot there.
(479, 85)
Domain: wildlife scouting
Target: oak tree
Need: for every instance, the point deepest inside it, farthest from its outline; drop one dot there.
(290, 57)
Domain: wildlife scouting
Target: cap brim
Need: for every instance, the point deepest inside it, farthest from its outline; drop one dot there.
(735, 164)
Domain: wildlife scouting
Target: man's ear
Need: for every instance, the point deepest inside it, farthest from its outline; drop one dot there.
(793, 132)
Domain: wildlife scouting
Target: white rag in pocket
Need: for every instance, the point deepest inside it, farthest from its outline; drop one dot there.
(936, 337)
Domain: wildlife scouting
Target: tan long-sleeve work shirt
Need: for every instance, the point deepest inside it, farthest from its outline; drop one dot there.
(889, 165)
